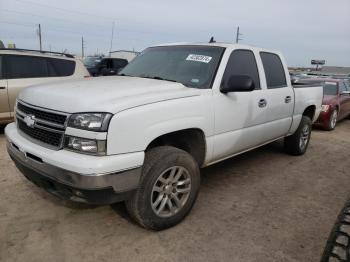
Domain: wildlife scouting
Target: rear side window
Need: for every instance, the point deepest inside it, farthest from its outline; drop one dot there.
(242, 62)
(18, 66)
(60, 67)
(274, 71)
(119, 63)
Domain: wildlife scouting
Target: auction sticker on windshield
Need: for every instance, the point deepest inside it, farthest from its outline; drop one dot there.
(199, 58)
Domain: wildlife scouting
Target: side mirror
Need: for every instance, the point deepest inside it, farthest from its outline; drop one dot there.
(238, 83)
(345, 93)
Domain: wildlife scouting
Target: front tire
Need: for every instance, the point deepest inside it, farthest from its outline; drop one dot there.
(297, 143)
(169, 186)
(332, 121)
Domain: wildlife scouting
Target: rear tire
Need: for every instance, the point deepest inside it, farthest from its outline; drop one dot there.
(169, 186)
(297, 143)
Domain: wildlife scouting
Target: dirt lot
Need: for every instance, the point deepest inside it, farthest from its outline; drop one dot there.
(261, 206)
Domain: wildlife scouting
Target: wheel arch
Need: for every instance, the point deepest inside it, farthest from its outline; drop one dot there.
(191, 140)
(310, 112)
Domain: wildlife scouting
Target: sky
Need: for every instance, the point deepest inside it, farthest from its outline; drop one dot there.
(301, 29)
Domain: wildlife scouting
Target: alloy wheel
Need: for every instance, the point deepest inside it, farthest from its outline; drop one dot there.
(170, 192)
(304, 138)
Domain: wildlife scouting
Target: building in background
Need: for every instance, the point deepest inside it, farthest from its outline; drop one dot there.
(125, 54)
(335, 70)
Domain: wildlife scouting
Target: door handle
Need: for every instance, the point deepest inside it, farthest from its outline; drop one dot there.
(288, 99)
(2, 87)
(262, 102)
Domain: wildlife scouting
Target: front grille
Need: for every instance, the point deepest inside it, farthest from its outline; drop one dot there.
(45, 126)
(42, 135)
(44, 115)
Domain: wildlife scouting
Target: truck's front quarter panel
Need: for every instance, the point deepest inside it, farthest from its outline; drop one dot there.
(132, 130)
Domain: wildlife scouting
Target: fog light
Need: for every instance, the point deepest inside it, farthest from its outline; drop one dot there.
(85, 145)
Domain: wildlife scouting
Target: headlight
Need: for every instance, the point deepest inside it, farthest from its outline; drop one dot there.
(90, 121)
(85, 145)
(325, 108)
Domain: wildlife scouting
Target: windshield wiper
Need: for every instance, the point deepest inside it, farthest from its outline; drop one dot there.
(158, 78)
(124, 75)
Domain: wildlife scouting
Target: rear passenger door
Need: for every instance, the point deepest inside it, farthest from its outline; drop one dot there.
(4, 102)
(279, 97)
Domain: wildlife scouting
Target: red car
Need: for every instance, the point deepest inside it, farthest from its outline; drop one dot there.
(336, 102)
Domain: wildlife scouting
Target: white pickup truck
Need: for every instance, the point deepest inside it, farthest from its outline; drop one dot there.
(141, 137)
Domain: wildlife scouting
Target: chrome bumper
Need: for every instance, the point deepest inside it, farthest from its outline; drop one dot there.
(122, 181)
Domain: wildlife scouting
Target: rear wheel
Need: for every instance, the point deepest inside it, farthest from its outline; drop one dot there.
(297, 143)
(168, 188)
(332, 120)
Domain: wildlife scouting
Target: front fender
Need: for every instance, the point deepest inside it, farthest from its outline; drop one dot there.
(134, 129)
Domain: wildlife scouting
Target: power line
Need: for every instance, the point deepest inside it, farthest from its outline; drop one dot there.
(19, 24)
(65, 10)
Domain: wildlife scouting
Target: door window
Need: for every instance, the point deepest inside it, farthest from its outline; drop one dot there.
(274, 71)
(242, 62)
(20, 66)
(23, 66)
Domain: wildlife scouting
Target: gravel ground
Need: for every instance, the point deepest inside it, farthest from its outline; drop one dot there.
(261, 206)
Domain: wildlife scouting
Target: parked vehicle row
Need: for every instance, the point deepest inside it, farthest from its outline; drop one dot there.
(336, 99)
(20, 68)
(100, 66)
(142, 136)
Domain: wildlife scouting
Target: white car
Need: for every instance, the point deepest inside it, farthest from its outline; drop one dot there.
(20, 68)
(142, 136)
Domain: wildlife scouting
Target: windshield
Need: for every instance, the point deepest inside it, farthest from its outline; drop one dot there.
(91, 61)
(193, 66)
(330, 89)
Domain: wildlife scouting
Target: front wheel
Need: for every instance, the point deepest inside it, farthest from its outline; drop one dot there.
(297, 143)
(169, 186)
(332, 121)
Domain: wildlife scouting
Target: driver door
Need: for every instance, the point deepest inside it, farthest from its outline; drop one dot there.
(238, 115)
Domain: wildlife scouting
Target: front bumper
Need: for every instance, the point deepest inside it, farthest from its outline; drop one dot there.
(323, 119)
(95, 187)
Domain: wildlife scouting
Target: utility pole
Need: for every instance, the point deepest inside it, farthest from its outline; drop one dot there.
(238, 34)
(82, 47)
(39, 34)
(110, 49)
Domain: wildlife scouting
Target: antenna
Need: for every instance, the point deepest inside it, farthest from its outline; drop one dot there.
(212, 40)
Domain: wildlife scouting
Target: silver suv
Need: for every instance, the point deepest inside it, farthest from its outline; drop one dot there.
(20, 68)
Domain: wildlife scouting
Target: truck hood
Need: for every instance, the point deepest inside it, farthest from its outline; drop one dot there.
(103, 94)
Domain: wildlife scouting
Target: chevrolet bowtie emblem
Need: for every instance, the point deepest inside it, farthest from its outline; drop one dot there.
(29, 120)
